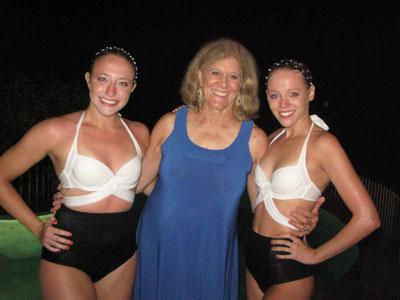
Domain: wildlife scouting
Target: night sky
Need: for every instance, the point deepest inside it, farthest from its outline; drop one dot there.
(352, 50)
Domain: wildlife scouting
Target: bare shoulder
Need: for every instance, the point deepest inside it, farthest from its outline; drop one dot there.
(326, 148)
(140, 131)
(56, 128)
(46, 137)
(258, 135)
(325, 141)
(168, 118)
(258, 143)
(165, 124)
(138, 128)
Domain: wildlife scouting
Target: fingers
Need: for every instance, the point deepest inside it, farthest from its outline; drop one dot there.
(55, 239)
(301, 218)
(287, 247)
(302, 232)
(54, 208)
(58, 200)
(318, 205)
(284, 247)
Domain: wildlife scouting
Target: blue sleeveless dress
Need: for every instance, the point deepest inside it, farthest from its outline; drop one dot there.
(187, 233)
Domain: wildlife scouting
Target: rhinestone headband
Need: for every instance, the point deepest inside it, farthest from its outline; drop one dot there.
(291, 64)
(121, 51)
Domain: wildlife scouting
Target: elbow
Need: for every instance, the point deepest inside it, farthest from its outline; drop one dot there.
(369, 222)
(374, 222)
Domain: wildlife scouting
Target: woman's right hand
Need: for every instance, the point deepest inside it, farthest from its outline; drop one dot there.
(55, 239)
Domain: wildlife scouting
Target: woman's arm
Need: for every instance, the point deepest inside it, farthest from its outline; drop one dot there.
(152, 159)
(39, 141)
(258, 145)
(335, 164)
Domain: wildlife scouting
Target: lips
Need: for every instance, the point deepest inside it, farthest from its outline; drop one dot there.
(286, 114)
(219, 93)
(108, 101)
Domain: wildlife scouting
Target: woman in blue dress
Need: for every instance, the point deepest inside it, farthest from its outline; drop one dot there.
(203, 155)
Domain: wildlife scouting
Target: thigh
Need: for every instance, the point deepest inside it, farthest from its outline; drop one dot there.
(64, 283)
(298, 289)
(119, 283)
(253, 291)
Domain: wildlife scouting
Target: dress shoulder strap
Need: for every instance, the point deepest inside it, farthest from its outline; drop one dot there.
(245, 131)
(180, 125)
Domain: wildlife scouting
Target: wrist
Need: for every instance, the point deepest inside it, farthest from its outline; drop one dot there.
(38, 229)
(317, 256)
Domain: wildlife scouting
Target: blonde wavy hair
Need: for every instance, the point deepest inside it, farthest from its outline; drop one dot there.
(211, 52)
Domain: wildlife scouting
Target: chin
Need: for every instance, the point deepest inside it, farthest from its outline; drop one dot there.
(285, 122)
(109, 111)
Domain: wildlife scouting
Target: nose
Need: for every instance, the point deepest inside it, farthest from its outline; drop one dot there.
(111, 89)
(284, 102)
(224, 80)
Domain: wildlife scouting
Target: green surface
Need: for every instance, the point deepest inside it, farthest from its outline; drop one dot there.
(20, 252)
(19, 258)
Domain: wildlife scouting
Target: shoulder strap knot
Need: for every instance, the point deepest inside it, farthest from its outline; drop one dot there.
(318, 121)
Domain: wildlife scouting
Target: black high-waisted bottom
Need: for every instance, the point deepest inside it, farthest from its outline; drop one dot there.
(268, 270)
(102, 241)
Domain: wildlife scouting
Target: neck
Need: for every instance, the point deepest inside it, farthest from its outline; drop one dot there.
(217, 117)
(95, 118)
(301, 127)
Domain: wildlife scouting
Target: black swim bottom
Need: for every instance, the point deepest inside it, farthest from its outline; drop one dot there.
(102, 241)
(268, 270)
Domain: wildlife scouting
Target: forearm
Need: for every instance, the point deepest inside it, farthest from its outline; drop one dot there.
(149, 175)
(357, 229)
(12, 202)
(149, 188)
(150, 166)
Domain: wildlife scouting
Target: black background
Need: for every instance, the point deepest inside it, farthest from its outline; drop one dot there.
(352, 50)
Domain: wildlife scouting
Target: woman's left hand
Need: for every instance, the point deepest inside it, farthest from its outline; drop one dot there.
(295, 248)
(305, 221)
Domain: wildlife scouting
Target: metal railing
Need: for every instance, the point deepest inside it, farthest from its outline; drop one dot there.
(386, 201)
(37, 186)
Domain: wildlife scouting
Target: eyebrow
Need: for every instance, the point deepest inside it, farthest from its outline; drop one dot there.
(123, 78)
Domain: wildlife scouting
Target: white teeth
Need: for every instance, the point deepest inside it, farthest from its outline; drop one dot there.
(111, 102)
(221, 94)
(286, 114)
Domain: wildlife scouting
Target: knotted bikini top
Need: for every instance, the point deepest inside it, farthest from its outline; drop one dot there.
(291, 182)
(91, 175)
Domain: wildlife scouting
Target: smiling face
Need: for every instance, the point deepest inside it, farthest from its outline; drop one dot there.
(220, 82)
(289, 96)
(110, 83)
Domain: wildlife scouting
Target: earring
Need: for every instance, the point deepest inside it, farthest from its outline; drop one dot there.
(199, 93)
(238, 101)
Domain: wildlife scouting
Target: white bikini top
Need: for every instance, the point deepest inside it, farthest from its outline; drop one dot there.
(89, 174)
(291, 182)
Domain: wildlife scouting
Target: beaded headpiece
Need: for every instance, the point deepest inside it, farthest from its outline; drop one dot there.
(118, 51)
(291, 64)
